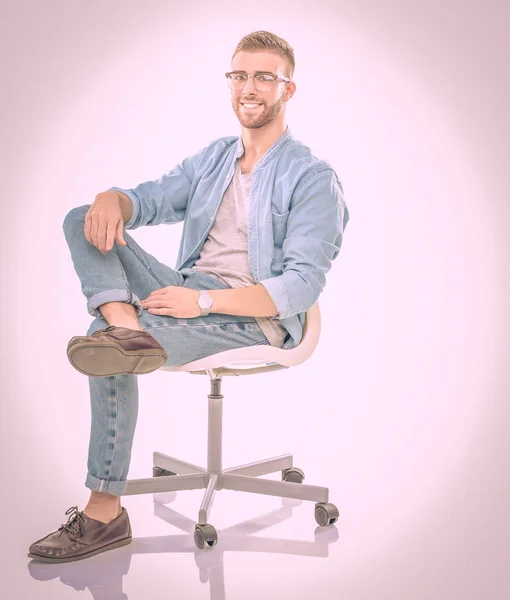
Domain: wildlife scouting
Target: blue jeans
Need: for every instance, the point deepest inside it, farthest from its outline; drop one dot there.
(129, 274)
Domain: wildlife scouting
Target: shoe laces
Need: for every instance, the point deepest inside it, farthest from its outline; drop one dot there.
(109, 328)
(75, 523)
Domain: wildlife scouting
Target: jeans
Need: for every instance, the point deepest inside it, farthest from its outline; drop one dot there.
(129, 274)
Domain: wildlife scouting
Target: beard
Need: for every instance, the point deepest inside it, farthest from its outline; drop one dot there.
(267, 114)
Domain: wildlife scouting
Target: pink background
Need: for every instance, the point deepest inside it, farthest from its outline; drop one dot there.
(402, 410)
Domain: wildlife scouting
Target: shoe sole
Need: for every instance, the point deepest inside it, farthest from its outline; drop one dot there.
(105, 359)
(124, 542)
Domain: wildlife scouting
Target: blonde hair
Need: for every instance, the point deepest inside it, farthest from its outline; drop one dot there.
(264, 40)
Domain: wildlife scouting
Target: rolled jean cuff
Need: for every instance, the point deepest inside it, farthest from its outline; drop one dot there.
(116, 488)
(113, 296)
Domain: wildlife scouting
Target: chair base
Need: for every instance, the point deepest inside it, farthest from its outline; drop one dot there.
(244, 478)
(181, 475)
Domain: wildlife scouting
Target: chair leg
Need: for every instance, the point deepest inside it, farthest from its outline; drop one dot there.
(263, 467)
(172, 483)
(205, 508)
(175, 464)
(284, 489)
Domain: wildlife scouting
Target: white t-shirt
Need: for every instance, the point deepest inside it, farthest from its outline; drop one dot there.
(225, 251)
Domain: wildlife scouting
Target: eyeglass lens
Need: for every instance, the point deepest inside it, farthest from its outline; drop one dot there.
(262, 81)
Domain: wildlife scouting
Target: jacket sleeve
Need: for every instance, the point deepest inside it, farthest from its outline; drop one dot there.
(165, 199)
(315, 226)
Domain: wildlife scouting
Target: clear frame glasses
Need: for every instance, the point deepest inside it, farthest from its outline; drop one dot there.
(262, 80)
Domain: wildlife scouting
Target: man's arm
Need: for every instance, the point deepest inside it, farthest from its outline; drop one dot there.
(317, 219)
(161, 201)
(249, 301)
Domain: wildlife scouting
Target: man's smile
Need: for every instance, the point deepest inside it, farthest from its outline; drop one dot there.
(250, 105)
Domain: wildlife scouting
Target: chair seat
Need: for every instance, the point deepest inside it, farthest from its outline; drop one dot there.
(257, 359)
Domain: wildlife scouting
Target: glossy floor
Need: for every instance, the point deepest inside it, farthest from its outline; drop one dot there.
(113, 574)
(272, 548)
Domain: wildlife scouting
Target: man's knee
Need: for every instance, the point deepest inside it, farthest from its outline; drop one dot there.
(75, 216)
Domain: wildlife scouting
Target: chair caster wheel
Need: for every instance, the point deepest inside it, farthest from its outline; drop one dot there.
(293, 474)
(160, 472)
(205, 536)
(326, 513)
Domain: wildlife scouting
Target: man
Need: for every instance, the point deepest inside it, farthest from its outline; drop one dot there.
(263, 219)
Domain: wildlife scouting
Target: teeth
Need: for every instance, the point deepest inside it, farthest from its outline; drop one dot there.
(250, 105)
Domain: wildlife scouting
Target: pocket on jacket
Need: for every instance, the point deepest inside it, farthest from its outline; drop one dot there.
(279, 227)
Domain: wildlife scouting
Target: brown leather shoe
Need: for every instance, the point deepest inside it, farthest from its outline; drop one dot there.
(82, 537)
(114, 351)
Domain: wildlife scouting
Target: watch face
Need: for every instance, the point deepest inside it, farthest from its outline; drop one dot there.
(205, 301)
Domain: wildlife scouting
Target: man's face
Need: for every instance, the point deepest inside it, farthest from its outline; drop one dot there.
(270, 103)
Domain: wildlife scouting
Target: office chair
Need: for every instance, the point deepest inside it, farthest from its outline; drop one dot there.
(173, 474)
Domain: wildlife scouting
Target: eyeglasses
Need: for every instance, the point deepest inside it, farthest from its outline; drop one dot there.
(262, 80)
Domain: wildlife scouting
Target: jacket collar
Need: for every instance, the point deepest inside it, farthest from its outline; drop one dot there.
(270, 152)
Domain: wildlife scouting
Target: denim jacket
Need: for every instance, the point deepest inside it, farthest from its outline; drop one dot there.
(296, 218)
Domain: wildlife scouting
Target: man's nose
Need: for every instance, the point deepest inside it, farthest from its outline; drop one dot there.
(249, 86)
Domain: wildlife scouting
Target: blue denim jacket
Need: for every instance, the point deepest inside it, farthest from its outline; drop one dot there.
(296, 218)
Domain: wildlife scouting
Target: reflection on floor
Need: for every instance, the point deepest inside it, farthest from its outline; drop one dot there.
(103, 577)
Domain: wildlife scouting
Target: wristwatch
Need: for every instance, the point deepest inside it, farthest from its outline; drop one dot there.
(205, 302)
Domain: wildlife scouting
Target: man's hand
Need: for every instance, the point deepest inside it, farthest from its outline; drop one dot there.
(173, 301)
(104, 223)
